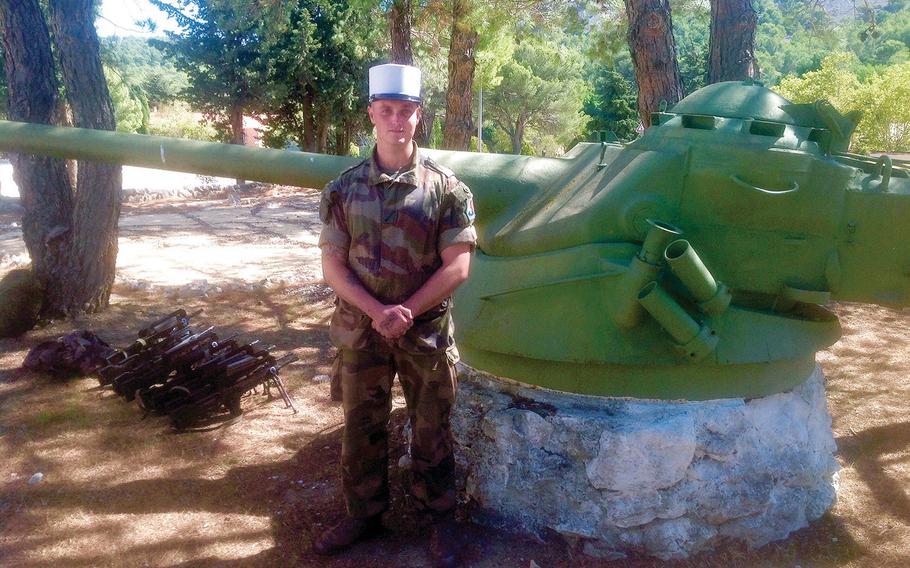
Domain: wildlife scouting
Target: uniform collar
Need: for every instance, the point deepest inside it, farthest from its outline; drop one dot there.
(408, 175)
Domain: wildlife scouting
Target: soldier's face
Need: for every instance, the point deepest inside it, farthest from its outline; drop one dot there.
(395, 121)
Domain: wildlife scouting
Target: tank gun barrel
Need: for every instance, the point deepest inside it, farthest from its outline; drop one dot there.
(501, 180)
(176, 154)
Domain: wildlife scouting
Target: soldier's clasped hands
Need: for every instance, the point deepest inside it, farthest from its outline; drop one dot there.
(393, 321)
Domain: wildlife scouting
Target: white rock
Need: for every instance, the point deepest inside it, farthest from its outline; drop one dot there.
(671, 540)
(644, 455)
(36, 478)
(532, 427)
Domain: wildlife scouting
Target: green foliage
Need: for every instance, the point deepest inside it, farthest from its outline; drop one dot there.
(317, 81)
(611, 106)
(882, 36)
(178, 121)
(609, 102)
(131, 109)
(794, 36)
(539, 142)
(220, 48)
(606, 30)
(491, 57)
(885, 125)
(691, 30)
(882, 98)
(143, 65)
(540, 88)
(500, 141)
(436, 135)
(835, 81)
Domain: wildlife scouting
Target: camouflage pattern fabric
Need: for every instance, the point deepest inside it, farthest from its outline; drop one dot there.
(77, 353)
(393, 227)
(429, 383)
(335, 374)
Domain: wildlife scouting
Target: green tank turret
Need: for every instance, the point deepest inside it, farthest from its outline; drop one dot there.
(693, 263)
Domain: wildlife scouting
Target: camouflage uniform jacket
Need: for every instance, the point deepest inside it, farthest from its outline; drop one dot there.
(393, 228)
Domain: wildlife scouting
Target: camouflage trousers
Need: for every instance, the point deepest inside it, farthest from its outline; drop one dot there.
(429, 383)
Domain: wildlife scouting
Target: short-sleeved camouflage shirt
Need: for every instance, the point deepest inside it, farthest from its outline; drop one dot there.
(393, 227)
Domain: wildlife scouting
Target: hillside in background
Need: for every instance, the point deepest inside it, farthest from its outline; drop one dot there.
(840, 9)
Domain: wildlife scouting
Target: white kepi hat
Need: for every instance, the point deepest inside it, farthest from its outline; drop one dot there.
(392, 81)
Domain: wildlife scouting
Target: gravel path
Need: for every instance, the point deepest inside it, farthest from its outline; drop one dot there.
(134, 179)
(268, 237)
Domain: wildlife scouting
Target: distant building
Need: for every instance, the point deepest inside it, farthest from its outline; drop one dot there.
(252, 131)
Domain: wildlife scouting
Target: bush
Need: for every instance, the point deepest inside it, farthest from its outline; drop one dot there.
(885, 125)
(882, 98)
(130, 106)
(20, 302)
(179, 122)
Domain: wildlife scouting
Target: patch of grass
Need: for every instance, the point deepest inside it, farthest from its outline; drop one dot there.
(69, 415)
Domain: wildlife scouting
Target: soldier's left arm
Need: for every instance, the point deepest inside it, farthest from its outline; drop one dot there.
(456, 265)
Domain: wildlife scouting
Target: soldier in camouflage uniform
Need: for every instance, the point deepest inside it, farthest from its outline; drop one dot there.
(397, 240)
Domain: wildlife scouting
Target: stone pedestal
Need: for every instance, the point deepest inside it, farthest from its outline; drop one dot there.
(662, 478)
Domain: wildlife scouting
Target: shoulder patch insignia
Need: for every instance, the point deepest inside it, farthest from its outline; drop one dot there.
(469, 210)
(463, 195)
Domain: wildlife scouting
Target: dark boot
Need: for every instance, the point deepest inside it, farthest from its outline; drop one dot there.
(344, 534)
(444, 543)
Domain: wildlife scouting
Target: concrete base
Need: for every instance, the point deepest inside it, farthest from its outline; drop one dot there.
(666, 479)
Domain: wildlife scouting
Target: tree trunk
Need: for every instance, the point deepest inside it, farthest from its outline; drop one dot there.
(309, 124)
(342, 138)
(456, 132)
(732, 44)
(517, 135)
(44, 185)
(400, 19)
(427, 121)
(653, 55)
(322, 137)
(235, 116)
(424, 133)
(88, 274)
(71, 237)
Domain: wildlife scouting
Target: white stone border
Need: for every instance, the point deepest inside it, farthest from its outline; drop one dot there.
(662, 478)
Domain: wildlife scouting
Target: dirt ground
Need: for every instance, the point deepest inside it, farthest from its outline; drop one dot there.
(123, 490)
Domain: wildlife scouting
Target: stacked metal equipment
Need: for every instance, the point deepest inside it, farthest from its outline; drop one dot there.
(191, 375)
